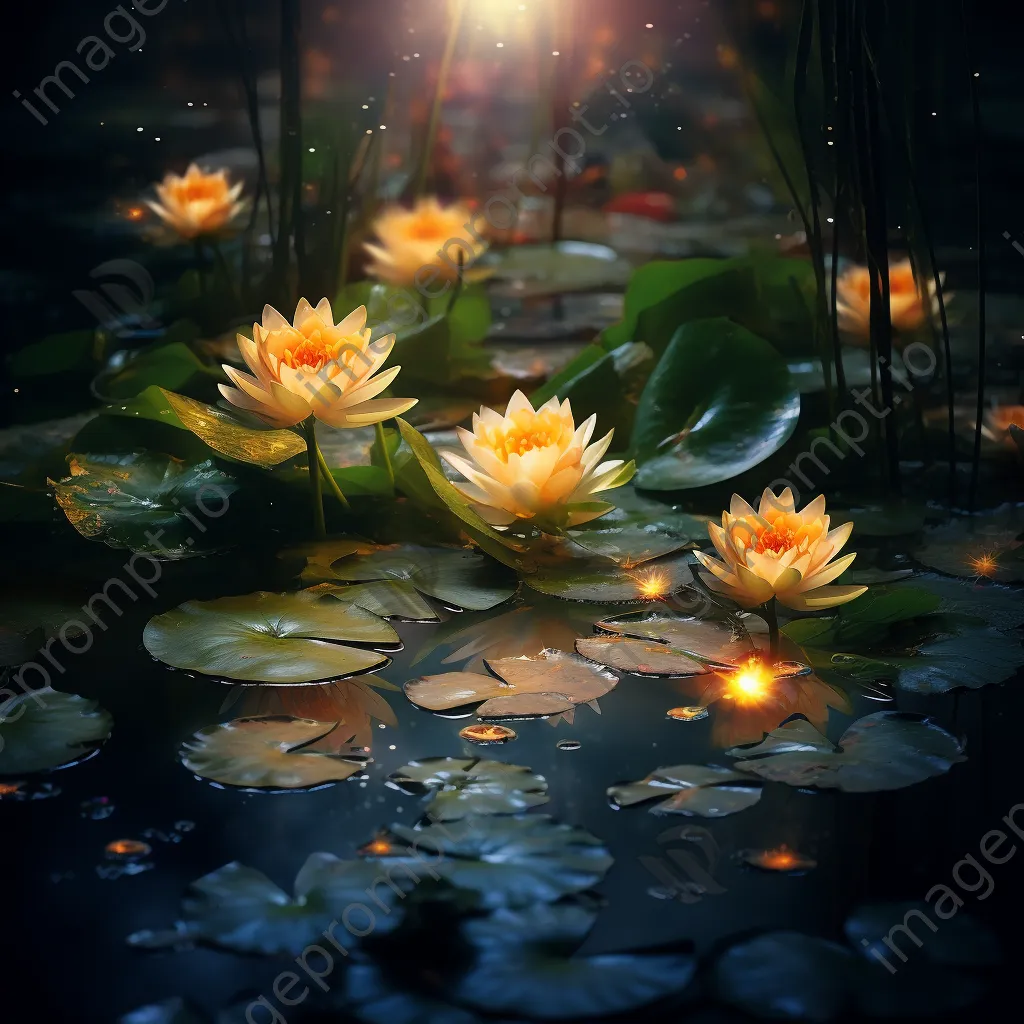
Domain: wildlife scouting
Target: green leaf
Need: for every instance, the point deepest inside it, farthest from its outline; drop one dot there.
(719, 403)
(977, 658)
(270, 638)
(266, 754)
(390, 599)
(562, 383)
(45, 729)
(140, 502)
(225, 434)
(606, 581)
(462, 786)
(167, 366)
(361, 481)
(58, 353)
(705, 790)
(528, 271)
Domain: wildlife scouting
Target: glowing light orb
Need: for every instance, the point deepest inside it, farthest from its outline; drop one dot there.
(751, 682)
(378, 847)
(653, 584)
(984, 564)
(780, 859)
(127, 849)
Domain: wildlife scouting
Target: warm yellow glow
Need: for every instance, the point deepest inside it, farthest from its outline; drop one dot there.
(780, 859)
(484, 734)
(127, 849)
(694, 713)
(134, 213)
(911, 301)
(654, 585)
(197, 204)
(9, 788)
(378, 847)
(751, 683)
(984, 565)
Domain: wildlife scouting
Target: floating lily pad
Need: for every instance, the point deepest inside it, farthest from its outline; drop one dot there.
(703, 640)
(641, 657)
(239, 909)
(895, 519)
(462, 786)
(528, 271)
(990, 603)
(519, 706)
(372, 994)
(313, 561)
(986, 546)
(224, 433)
(171, 1011)
(508, 861)
(269, 638)
(705, 790)
(139, 501)
(43, 730)
(719, 402)
(266, 753)
(555, 672)
(886, 750)
(977, 658)
(604, 580)
(462, 579)
(390, 599)
(523, 967)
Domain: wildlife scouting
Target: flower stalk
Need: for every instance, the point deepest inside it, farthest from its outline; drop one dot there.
(384, 454)
(325, 472)
(769, 612)
(315, 489)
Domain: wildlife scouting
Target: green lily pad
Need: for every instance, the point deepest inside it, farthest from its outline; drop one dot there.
(705, 790)
(702, 640)
(459, 578)
(266, 754)
(719, 403)
(227, 434)
(167, 366)
(632, 538)
(45, 729)
(509, 861)
(886, 750)
(390, 599)
(977, 658)
(529, 271)
(989, 603)
(462, 786)
(139, 501)
(269, 638)
(605, 581)
(523, 967)
(896, 519)
(984, 546)
(238, 908)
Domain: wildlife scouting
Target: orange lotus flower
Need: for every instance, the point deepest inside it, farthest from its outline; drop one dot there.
(314, 366)
(199, 203)
(535, 464)
(777, 552)
(996, 423)
(411, 241)
(910, 302)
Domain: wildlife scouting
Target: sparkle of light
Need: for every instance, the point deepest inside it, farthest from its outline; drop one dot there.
(751, 682)
(984, 565)
(653, 584)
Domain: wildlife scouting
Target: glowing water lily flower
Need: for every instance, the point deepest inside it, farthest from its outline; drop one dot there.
(414, 244)
(198, 203)
(779, 552)
(314, 366)
(535, 464)
(909, 303)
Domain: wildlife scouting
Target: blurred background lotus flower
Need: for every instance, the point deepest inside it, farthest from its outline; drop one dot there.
(315, 367)
(536, 465)
(910, 302)
(777, 552)
(429, 237)
(199, 203)
(997, 424)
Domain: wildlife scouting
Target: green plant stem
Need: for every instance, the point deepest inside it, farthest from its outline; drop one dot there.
(225, 269)
(435, 111)
(770, 615)
(316, 492)
(384, 454)
(325, 472)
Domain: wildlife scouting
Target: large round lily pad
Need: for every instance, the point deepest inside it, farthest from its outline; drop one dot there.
(390, 599)
(462, 786)
(886, 750)
(45, 729)
(266, 754)
(605, 580)
(508, 861)
(270, 638)
(461, 579)
(720, 401)
(139, 501)
(703, 640)
(705, 790)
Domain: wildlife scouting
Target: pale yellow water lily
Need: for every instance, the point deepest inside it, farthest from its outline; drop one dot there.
(535, 464)
(414, 249)
(199, 203)
(910, 303)
(777, 552)
(314, 366)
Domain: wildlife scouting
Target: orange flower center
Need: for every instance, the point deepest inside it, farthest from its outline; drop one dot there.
(426, 227)
(193, 190)
(775, 538)
(527, 433)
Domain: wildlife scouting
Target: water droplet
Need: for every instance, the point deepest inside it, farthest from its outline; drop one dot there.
(98, 808)
(483, 735)
(568, 744)
(689, 714)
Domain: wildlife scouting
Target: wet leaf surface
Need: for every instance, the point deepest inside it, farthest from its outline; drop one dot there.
(46, 729)
(641, 657)
(390, 599)
(604, 580)
(507, 861)
(462, 786)
(269, 638)
(704, 790)
(704, 640)
(985, 546)
(977, 658)
(886, 750)
(267, 754)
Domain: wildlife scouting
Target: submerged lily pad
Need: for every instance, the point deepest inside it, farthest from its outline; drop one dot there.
(719, 402)
(886, 750)
(604, 580)
(46, 729)
(524, 967)
(269, 638)
(462, 786)
(462, 579)
(266, 753)
(139, 501)
(508, 861)
(705, 790)
(703, 640)
(238, 908)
